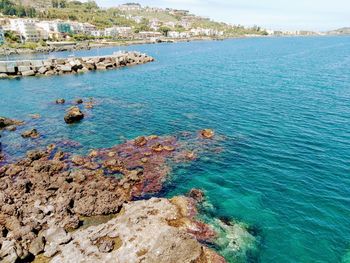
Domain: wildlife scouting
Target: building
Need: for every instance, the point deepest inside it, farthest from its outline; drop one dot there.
(97, 33)
(170, 24)
(88, 28)
(130, 7)
(175, 34)
(177, 12)
(2, 36)
(137, 19)
(206, 32)
(64, 27)
(149, 34)
(118, 31)
(154, 24)
(26, 28)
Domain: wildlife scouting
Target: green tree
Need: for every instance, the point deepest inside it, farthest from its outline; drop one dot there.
(164, 30)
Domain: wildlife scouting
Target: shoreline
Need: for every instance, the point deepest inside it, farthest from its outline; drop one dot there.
(96, 45)
(84, 207)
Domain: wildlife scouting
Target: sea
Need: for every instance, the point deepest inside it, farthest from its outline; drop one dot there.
(280, 106)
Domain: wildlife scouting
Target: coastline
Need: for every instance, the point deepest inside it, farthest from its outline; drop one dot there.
(96, 45)
(97, 206)
(88, 45)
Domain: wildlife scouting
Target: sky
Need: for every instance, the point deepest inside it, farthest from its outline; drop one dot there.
(318, 15)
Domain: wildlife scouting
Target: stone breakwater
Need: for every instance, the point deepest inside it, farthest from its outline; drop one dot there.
(60, 66)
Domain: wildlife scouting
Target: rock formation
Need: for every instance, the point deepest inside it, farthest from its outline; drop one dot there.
(26, 68)
(74, 114)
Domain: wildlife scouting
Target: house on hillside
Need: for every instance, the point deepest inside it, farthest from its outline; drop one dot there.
(26, 28)
(149, 34)
(118, 31)
(130, 7)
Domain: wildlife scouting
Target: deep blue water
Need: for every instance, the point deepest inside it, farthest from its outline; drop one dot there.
(283, 105)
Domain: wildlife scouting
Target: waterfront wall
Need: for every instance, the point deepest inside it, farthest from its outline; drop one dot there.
(60, 66)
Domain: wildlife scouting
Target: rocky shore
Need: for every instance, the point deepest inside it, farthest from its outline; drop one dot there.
(62, 207)
(49, 67)
(8, 51)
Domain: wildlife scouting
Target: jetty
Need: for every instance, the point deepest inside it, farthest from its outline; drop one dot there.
(71, 65)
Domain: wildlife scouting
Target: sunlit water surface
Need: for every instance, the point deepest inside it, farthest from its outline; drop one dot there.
(283, 105)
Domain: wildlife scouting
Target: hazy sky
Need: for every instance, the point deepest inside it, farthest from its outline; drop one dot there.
(274, 14)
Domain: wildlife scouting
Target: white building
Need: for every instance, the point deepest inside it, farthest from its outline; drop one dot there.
(97, 33)
(170, 24)
(26, 28)
(88, 28)
(150, 35)
(154, 24)
(137, 19)
(130, 7)
(175, 34)
(118, 31)
(206, 32)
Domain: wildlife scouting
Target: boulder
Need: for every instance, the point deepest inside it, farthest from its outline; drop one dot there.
(79, 101)
(33, 133)
(60, 101)
(196, 194)
(42, 70)
(207, 133)
(24, 68)
(28, 73)
(66, 68)
(5, 122)
(74, 114)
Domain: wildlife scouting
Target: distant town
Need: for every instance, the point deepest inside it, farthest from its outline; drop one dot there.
(37, 22)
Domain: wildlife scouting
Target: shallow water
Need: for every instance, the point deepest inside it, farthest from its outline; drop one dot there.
(283, 105)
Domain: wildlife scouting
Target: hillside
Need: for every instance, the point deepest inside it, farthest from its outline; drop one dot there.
(140, 18)
(340, 31)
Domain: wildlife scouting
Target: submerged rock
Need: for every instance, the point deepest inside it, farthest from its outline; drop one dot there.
(60, 101)
(207, 133)
(141, 233)
(196, 194)
(49, 193)
(74, 114)
(6, 122)
(79, 101)
(33, 133)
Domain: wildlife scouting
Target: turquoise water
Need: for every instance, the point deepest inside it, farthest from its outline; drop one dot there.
(283, 105)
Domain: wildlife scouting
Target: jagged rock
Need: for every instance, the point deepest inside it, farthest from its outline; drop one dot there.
(11, 128)
(33, 133)
(5, 122)
(28, 73)
(140, 141)
(35, 116)
(196, 194)
(45, 191)
(207, 133)
(37, 246)
(79, 101)
(141, 233)
(74, 114)
(60, 101)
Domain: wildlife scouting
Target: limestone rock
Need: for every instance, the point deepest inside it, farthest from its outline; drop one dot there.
(33, 133)
(207, 133)
(74, 114)
(140, 234)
